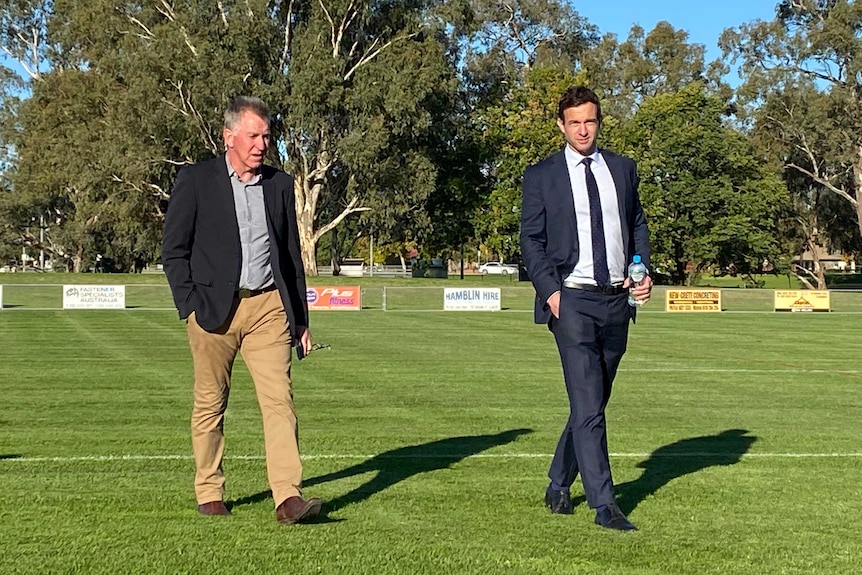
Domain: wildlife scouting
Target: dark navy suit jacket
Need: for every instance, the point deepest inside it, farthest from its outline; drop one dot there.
(549, 228)
(201, 251)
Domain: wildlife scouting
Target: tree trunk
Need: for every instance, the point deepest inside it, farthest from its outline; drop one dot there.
(677, 276)
(307, 240)
(309, 183)
(306, 205)
(857, 185)
(811, 279)
(334, 262)
(819, 273)
(78, 260)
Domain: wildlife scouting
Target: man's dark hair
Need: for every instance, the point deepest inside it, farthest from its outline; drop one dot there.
(575, 96)
(240, 104)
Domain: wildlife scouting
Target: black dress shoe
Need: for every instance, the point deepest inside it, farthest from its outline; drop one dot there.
(610, 517)
(558, 501)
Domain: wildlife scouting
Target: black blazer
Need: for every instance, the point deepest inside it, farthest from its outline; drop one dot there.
(549, 227)
(201, 251)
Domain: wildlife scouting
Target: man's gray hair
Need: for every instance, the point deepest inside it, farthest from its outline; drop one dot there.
(241, 104)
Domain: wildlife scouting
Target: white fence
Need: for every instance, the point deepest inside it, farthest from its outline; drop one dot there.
(158, 297)
(518, 297)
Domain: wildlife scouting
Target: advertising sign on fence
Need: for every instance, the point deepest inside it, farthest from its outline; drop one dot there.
(94, 297)
(339, 298)
(801, 300)
(471, 299)
(693, 300)
(1, 297)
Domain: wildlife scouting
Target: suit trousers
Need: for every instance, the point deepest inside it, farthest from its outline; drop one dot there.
(258, 328)
(591, 335)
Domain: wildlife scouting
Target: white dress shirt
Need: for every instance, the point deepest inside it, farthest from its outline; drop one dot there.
(583, 272)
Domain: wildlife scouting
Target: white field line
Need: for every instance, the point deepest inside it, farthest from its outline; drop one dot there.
(733, 370)
(705, 369)
(113, 458)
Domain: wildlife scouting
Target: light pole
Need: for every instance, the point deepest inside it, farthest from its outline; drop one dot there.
(371, 254)
(42, 242)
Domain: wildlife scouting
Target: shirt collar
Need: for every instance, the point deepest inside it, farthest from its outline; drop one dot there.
(232, 174)
(576, 158)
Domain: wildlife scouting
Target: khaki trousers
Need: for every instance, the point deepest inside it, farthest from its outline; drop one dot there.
(257, 328)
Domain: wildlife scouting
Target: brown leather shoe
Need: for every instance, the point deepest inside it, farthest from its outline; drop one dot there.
(213, 508)
(295, 509)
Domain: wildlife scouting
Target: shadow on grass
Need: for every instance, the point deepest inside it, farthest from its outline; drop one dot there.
(678, 459)
(10, 456)
(397, 465)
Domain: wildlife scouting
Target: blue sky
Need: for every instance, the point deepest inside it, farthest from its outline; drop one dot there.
(703, 20)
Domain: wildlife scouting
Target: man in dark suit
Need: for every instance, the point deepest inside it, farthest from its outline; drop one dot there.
(232, 257)
(581, 223)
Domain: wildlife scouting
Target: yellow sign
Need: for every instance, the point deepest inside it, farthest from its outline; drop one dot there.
(801, 300)
(693, 300)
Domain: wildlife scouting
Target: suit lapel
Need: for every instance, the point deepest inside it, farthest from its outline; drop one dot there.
(563, 182)
(621, 186)
(223, 197)
(270, 200)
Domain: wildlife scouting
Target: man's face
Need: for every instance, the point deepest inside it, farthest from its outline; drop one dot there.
(247, 143)
(580, 125)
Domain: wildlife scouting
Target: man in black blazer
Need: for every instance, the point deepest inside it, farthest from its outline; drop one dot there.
(232, 257)
(581, 224)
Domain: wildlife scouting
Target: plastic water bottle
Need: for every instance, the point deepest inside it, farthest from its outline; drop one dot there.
(637, 272)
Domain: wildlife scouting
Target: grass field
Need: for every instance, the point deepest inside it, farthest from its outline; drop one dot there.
(735, 439)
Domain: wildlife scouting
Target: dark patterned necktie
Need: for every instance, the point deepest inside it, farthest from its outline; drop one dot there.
(597, 228)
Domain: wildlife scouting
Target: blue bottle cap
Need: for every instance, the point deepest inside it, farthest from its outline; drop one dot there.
(636, 259)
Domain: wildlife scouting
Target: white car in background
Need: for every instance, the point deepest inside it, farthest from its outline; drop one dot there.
(498, 268)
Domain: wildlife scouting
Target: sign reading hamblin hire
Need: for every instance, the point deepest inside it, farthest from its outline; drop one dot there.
(94, 297)
(471, 299)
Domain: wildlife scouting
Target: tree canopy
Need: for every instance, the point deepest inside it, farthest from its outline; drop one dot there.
(801, 88)
(711, 203)
(413, 120)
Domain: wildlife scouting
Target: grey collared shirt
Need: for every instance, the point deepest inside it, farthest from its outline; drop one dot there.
(256, 269)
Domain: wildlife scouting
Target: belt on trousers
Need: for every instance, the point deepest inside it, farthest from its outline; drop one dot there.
(607, 290)
(244, 293)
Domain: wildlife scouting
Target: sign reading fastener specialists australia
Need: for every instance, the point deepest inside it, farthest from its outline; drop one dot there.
(339, 298)
(696, 300)
(94, 297)
(801, 300)
(471, 299)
